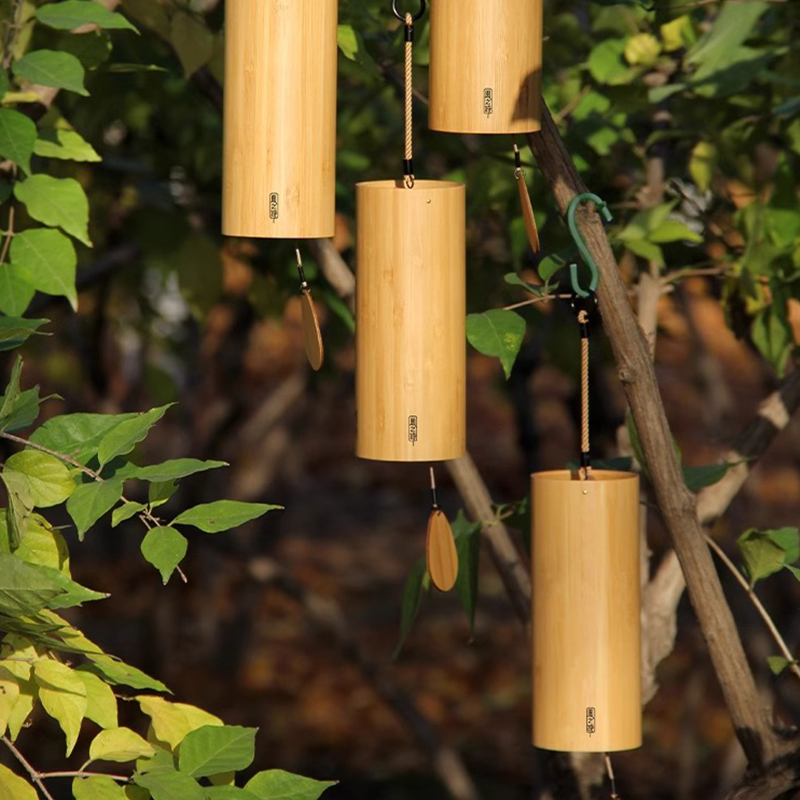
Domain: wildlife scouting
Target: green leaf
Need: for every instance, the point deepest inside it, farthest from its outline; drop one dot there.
(20, 505)
(168, 784)
(172, 722)
(49, 481)
(229, 793)
(120, 745)
(697, 478)
(702, 164)
(18, 409)
(512, 279)
(733, 25)
(78, 435)
(673, 230)
(43, 546)
(12, 787)
(9, 691)
(192, 40)
(160, 492)
(119, 673)
(15, 330)
(416, 587)
(58, 202)
(63, 696)
(49, 258)
(788, 539)
(24, 588)
(101, 704)
(64, 144)
(174, 470)
(125, 512)
(164, 548)
(605, 62)
(222, 515)
(762, 557)
(121, 439)
(17, 138)
(70, 14)
(794, 571)
(51, 68)
(97, 788)
(778, 664)
(645, 249)
(771, 331)
(16, 290)
(497, 333)
(468, 546)
(351, 43)
(91, 501)
(552, 264)
(73, 594)
(275, 784)
(213, 749)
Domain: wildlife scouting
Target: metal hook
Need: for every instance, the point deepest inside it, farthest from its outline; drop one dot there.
(402, 17)
(602, 207)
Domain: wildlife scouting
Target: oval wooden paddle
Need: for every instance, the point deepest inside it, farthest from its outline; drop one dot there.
(315, 351)
(441, 552)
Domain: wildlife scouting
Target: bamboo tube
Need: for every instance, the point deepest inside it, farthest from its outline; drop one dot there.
(411, 318)
(486, 66)
(586, 612)
(279, 144)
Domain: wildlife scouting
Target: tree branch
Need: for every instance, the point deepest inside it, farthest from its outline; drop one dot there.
(667, 586)
(677, 504)
(34, 775)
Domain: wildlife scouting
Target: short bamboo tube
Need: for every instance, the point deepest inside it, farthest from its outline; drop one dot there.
(411, 318)
(486, 66)
(586, 612)
(279, 142)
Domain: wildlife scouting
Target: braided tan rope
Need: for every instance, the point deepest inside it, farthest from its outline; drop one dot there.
(409, 101)
(583, 319)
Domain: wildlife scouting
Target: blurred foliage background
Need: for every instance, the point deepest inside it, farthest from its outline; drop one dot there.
(684, 117)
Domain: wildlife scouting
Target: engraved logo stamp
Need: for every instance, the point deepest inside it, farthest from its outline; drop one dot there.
(274, 206)
(488, 102)
(591, 721)
(413, 430)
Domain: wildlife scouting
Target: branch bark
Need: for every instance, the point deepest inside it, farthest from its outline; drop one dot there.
(677, 504)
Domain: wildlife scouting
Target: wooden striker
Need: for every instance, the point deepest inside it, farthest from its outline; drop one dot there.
(586, 612)
(486, 66)
(411, 318)
(279, 138)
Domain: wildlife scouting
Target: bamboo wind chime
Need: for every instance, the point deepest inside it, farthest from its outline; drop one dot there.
(279, 142)
(585, 575)
(411, 321)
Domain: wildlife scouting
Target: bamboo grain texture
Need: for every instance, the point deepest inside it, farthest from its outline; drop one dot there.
(411, 318)
(586, 612)
(485, 66)
(279, 142)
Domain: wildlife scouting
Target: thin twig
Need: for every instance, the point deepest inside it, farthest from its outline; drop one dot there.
(35, 776)
(544, 299)
(81, 774)
(768, 621)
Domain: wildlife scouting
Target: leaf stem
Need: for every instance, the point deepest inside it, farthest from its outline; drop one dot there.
(82, 774)
(768, 621)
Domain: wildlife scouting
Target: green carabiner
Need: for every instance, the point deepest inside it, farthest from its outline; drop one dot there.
(602, 207)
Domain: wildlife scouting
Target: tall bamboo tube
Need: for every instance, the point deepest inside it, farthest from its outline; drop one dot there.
(280, 118)
(486, 66)
(586, 612)
(411, 318)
